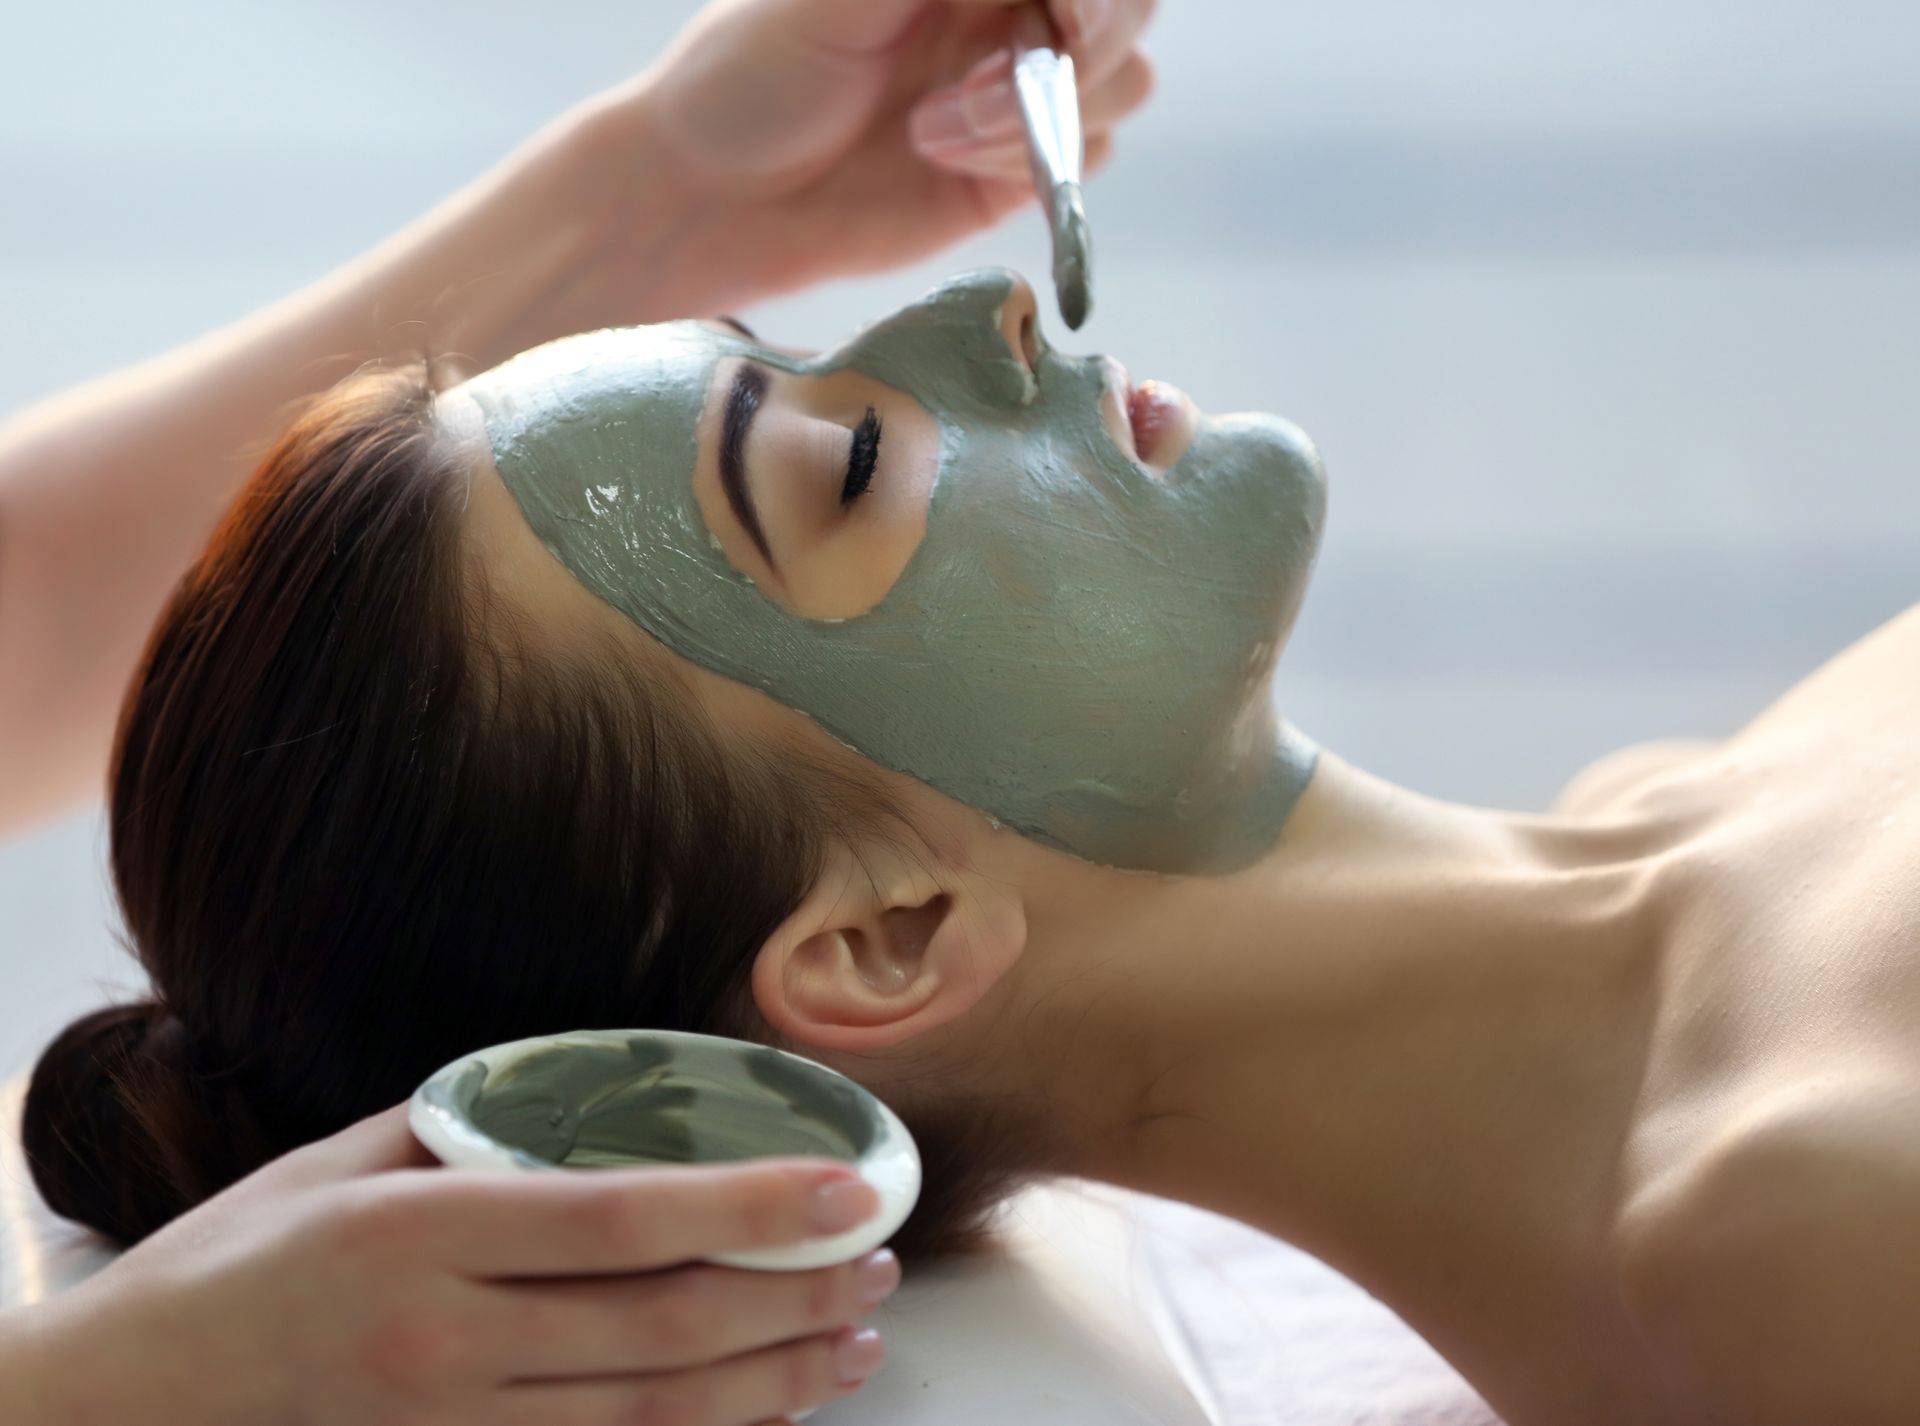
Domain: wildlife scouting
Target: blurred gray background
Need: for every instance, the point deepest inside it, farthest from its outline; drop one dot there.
(1606, 318)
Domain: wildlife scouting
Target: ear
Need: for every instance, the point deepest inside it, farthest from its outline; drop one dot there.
(887, 945)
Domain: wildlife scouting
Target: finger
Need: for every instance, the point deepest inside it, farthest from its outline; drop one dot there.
(954, 126)
(1099, 153)
(862, 27)
(560, 1224)
(374, 1145)
(1007, 157)
(377, 1144)
(744, 1390)
(1100, 34)
(1123, 93)
(995, 196)
(662, 1321)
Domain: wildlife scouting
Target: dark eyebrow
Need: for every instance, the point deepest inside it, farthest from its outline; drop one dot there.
(743, 404)
(737, 325)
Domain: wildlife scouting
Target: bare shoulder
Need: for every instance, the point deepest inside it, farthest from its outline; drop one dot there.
(1607, 781)
(1778, 1271)
(1865, 689)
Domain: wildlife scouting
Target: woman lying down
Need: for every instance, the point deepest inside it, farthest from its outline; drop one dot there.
(910, 705)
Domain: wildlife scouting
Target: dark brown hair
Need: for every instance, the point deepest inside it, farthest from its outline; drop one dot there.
(365, 819)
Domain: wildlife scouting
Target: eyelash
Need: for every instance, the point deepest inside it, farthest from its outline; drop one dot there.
(863, 454)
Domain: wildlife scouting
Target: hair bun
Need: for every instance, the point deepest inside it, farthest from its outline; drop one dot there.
(111, 1103)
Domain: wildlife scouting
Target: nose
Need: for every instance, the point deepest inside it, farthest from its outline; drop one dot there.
(1018, 328)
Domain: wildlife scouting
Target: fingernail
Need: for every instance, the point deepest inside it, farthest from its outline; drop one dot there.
(993, 110)
(961, 117)
(995, 64)
(875, 1278)
(1006, 162)
(939, 121)
(843, 1203)
(857, 1354)
(1090, 20)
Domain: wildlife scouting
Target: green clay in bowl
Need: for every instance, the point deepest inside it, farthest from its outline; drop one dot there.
(620, 1098)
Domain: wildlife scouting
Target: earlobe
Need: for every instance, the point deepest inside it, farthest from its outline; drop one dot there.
(878, 954)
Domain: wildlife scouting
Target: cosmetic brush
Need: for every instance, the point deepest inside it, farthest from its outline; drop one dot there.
(1043, 79)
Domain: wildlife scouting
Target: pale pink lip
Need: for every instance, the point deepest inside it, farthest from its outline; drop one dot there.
(1154, 419)
(1152, 410)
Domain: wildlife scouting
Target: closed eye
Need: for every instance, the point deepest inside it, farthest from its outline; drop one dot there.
(863, 455)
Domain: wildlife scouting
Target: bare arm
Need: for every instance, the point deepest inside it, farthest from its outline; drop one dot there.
(662, 198)
(22, 1390)
(107, 491)
(350, 1282)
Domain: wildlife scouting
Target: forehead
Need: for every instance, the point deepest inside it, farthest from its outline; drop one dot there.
(638, 360)
(601, 401)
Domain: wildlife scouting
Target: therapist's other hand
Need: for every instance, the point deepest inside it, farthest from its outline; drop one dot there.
(809, 139)
(350, 1284)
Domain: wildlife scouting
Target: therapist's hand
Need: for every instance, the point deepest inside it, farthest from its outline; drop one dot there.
(798, 140)
(349, 1284)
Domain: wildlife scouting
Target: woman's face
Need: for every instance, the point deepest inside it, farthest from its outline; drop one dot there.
(976, 561)
(817, 485)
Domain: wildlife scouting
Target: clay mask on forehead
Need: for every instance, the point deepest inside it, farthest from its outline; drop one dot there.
(1076, 648)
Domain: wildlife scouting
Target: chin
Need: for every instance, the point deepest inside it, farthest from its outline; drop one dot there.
(1260, 447)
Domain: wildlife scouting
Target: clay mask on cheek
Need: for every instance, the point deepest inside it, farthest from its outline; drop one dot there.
(1076, 648)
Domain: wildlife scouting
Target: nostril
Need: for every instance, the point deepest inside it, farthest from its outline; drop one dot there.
(1018, 324)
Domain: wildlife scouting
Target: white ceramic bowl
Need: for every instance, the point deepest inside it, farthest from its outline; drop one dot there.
(596, 1098)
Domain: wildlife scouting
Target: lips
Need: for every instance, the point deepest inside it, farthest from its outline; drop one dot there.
(1153, 422)
(1152, 410)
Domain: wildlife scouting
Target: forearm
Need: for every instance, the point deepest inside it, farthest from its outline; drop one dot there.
(109, 490)
(31, 1392)
(84, 1359)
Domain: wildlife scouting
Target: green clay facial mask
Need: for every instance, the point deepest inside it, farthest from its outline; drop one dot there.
(593, 1103)
(1077, 648)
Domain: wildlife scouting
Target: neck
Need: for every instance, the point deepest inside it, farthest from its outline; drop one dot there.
(1408, 1041)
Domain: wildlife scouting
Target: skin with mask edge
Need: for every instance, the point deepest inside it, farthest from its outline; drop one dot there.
(1079, 647)
(1602, 1101)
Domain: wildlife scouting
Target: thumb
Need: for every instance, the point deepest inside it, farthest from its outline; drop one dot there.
(375, 1145)
(378, 1144)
